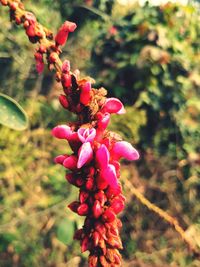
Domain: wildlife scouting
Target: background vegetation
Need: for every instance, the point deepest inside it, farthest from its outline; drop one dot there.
(149, 57)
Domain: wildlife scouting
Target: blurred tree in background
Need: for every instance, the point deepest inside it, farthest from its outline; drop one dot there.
(147, 56)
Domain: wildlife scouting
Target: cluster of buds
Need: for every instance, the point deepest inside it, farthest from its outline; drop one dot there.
(94, 165)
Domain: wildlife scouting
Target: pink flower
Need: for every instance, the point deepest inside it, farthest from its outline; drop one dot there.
(113, 105)
(86, 134)
(85, 154)
(107, 171)
(62, 132)
(125, 150)
(63, 32)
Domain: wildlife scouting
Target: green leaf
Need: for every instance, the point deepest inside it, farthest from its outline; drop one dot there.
(65, 231)
(12, 114)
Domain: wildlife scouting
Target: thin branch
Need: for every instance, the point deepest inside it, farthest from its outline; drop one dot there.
(163, 214)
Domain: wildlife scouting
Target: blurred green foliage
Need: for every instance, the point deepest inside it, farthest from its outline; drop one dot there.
(150, 59)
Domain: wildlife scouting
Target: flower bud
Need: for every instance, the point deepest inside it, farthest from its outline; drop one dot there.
(97, 209)
(63, 101)
(83, 209)
(74, 206)
(108, 215)
(95, 238)
(83, 196)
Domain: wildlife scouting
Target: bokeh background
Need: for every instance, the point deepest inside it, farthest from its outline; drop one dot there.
(148, 56)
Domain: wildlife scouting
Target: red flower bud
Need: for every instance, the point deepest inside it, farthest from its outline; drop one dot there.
(79, 234)
(117, 205)
(66, 80)
(66, 66)
(85, 244)
(74, 206)
(109, 215)
(83, 196)
(93, 260)
(4, 2)
(101, 197)
(83, 209)
(63, 32)
(63, 101)
(97, 209)
(89, 183)
(95, 238)
(53, 57)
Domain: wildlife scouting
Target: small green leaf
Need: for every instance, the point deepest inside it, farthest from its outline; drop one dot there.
(65, 231)
(12, 114)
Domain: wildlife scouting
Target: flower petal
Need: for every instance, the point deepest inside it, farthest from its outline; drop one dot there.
(62, 132)
(125, 150)
(113, 105)
(85, 154)
(102, 157)
(86, 134)
(109, 174)
(70, 162)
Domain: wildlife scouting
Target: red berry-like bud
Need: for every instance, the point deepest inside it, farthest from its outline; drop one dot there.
(95, 238)
(70, 178)
(79, 182)
(93, 260)
(83, 209)
(83, 196)
(78, 234)
(74, 206)
(66, 80)
(97, 209)
(13, 6)
(66, 66)
(117, 205)
(85, 244)
(63, 101)
(4, 2)
(53, 57)
(109, 215)
(101, 197)
(42, 49)
(89, 183)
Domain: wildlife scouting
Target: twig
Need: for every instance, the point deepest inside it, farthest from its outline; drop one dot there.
(163, 214)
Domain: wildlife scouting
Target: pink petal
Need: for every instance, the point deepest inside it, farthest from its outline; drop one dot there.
(113, 105)
(85, 154)
(125, 150)
(70, 162)
(109, 174)
(86, 134)
(102, 157)
(103, 120)
(62, 132)
(121, 111)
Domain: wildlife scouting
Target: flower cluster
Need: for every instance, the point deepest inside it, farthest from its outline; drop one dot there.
(94, 166)
(94, 163)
